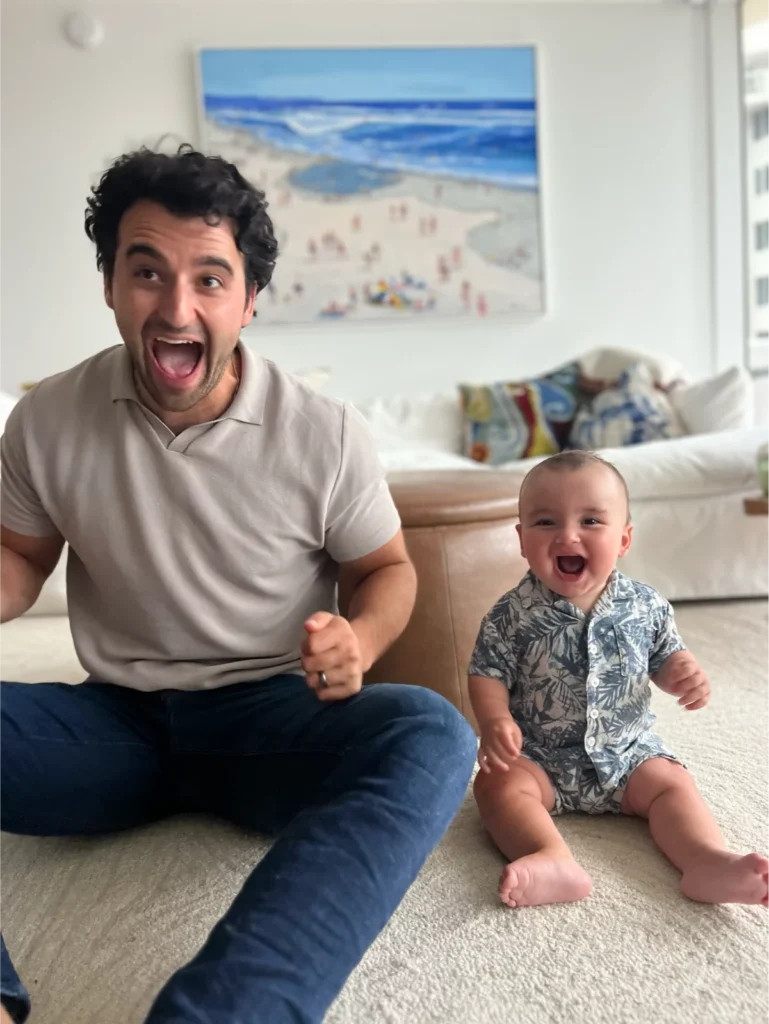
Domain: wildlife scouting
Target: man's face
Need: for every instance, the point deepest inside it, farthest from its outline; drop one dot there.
(179, 296)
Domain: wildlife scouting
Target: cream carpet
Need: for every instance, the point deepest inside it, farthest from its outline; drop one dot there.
(96, 926)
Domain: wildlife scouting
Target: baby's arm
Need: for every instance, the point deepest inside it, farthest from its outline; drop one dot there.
(490, 674)
(501, 738)
(671, 667)
(682, 677)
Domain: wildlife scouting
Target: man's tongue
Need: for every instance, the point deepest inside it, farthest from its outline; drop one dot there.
(177, 360)
(571, 564)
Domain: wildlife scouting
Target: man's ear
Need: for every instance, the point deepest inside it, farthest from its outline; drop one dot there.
(520, 538)
(248, 312)
(627, 536)
(108, 291)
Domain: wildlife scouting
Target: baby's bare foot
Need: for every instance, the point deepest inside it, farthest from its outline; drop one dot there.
(727, 878)
(542, 878)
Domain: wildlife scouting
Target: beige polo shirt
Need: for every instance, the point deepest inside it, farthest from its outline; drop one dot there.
(194, 559)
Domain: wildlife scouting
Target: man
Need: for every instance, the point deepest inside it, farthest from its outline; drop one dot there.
(212, 504)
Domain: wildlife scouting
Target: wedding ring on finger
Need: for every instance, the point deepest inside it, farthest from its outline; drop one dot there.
(322, 680)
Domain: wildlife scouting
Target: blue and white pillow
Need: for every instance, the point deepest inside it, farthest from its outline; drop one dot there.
(631, 412)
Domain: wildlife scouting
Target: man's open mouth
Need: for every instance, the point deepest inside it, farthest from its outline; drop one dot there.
(177, 359)
(571, 565)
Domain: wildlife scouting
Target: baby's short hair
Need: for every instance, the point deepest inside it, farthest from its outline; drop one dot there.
(569, 461)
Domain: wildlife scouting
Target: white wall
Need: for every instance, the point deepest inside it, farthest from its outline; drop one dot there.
(624, 146)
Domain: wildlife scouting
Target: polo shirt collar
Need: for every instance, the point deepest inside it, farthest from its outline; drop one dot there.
(247, 406)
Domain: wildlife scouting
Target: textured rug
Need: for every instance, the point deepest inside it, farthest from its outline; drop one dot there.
(96, 926)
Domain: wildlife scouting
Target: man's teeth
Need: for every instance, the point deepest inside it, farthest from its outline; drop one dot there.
(177, 341)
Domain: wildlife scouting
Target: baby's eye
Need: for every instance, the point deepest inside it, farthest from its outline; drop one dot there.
(544, 522)
(591, 521)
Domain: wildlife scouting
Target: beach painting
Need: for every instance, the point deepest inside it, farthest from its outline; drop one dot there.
(402, 182)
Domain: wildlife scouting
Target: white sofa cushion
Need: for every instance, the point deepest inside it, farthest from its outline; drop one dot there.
(397, 460)
(430, 422)
(685, 467)
(724, 402)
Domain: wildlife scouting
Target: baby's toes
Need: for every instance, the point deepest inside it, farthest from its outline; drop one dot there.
(509, 886)
(756, 862)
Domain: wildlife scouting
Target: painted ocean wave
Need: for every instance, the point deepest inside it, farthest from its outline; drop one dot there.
(493, 142)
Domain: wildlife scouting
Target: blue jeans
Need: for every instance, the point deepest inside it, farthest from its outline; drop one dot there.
(358, 793)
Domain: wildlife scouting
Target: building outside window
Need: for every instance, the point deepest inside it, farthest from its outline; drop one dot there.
(755, 59)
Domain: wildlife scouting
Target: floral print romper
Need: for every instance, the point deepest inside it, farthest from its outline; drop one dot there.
(579, 684)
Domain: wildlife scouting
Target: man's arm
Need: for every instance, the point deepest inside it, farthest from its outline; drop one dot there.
(25, 565)
(376, 598)
(377, 595)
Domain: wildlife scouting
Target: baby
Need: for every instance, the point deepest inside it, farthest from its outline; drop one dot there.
(559, 682)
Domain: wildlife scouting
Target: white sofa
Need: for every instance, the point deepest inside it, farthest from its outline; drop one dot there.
(692, 539)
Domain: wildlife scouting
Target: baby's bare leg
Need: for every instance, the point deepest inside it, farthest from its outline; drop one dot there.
(686, 832)
(515, 808)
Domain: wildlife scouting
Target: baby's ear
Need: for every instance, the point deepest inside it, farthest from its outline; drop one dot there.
(520, 538)
(627, 536)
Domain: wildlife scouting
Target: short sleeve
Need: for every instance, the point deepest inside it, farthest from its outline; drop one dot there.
(20, 507)
(494, 656)
(666, 640)
(361, 514)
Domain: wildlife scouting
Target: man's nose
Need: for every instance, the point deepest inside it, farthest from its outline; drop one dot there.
(177, 305)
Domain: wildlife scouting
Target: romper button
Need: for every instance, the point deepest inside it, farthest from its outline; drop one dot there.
(590, 742)
(594, 713)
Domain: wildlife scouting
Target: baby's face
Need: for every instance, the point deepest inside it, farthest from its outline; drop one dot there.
(573, 529)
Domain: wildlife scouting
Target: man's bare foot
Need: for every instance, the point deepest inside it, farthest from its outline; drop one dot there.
(727, 878)
(542, 878)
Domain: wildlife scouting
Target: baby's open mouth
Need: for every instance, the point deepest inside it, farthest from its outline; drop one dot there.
(571, 565)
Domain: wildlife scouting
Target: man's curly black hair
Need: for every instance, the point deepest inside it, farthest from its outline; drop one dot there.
(187, 184)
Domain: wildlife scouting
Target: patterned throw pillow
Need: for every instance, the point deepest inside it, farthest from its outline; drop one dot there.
(632, 412)
(513, 420)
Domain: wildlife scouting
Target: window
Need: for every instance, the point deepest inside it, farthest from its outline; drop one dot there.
(754, 21)
(759, 121)
(762, 291)
(762, 235)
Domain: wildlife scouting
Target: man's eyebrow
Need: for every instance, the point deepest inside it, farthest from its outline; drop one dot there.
(142, 249)
(215, 261)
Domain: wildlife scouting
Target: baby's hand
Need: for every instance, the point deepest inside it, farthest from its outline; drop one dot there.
(501, 743)
(682, 677)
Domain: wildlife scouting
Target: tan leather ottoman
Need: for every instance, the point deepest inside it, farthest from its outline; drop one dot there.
(460, 531)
